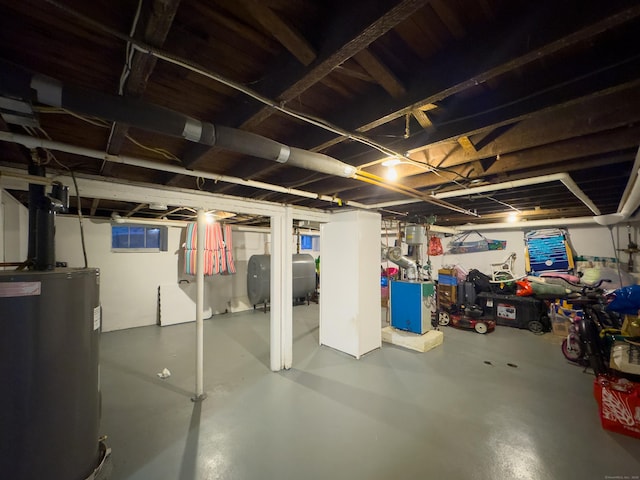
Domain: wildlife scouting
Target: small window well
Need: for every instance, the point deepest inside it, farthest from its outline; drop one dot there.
(132, 238)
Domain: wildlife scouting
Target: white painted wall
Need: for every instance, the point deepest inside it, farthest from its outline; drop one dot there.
(14, 229)
(130, 280)
(584, 240)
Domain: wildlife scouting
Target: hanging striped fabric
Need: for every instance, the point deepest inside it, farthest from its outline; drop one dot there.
(218, 252)
(211, 263)
(228, 248)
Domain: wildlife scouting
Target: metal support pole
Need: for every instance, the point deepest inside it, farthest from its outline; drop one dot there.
(202, 224)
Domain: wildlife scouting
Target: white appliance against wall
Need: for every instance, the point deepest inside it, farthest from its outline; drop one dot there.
(350, 314)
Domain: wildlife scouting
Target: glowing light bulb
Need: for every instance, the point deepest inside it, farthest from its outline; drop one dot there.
(391, 174)
(513, 216)
(210, 218)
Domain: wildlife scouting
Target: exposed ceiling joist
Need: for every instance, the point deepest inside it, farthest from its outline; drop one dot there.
(94, 206)
(380, 72)
(285, 33)
(478, 62)
(351, 34)
(156, 20)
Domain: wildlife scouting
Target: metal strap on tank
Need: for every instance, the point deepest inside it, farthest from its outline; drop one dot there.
(98, 474)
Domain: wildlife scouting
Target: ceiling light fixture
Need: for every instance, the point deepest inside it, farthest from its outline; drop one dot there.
(158, 206)
(512, 217)
(391, 174)
(391, 162)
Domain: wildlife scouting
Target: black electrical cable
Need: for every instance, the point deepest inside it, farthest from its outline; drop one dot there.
(84, 248)
(79, 202)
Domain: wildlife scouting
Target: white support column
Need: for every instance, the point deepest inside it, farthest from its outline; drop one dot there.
(281, 291)
(202, 224)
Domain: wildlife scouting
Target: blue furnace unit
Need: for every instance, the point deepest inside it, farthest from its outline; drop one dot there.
(412, 304)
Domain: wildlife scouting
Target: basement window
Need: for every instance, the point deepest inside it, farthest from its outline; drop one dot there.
(310, 242)
(138, 238)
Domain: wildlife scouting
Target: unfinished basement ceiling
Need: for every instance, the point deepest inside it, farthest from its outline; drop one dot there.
(468, 92)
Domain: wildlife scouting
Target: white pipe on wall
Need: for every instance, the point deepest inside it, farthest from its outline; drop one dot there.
(551, 222)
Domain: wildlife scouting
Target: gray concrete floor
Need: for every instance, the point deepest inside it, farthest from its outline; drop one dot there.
(395, 413)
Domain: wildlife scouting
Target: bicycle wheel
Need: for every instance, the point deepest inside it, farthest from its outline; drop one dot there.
(572, 351)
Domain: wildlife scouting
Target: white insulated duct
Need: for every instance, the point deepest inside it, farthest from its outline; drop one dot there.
(394, 254)
(33, 142)
(16, 82)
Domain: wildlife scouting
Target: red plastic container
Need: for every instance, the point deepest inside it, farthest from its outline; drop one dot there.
(618, 404)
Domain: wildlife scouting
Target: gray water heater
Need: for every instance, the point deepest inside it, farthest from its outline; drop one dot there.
(259, 277)
(50, 401)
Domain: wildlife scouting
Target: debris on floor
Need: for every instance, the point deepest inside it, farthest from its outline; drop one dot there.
(165, 373)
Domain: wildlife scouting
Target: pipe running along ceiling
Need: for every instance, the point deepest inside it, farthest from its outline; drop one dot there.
(18, 83)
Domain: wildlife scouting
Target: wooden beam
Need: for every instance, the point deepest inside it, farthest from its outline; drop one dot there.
(135, 209)
(286, 34)
(350, 72)
(467, 144)
(94, 206)
(321, 68)
(354, 28)
(380, 72)
(422, 119)
(600, 112)
(545, 158)
(449, 18)
(591, 151)
(157, 20)
(467, 121)
(476, 62)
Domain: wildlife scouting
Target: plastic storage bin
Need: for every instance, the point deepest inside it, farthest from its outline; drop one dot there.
(515, 311)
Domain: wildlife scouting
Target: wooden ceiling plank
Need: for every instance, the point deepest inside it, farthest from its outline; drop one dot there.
(365, 77)
(467, 144)
(449, 18)
(135, 209)
(558, 153)
(557, 157)
(431, 89)
(394, 16)
(380, 72)
(562, 122)
(157, 21)
(422, 119)
(340, 47)
(286, 34)
(468, 122)
(487, 9)
(94, 206)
